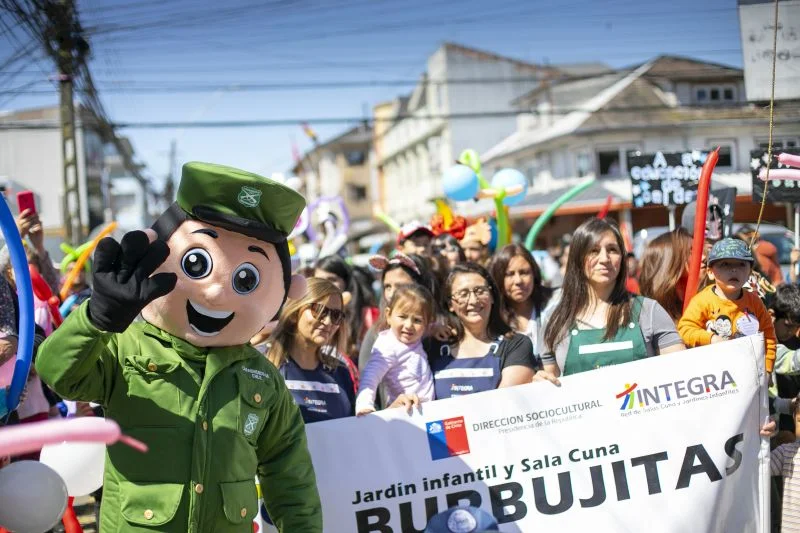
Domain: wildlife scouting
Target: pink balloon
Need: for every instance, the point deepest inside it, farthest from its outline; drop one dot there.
(789, 159)
(28, 438)
(779, 174)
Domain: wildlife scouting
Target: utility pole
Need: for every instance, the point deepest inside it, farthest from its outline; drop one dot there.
(168, 194)
(71, 50)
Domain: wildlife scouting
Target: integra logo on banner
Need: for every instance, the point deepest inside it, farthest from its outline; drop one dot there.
(697, 388)
(447, 438)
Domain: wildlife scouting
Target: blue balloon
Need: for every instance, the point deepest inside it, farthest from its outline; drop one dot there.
(66, 307)
(510, 177)
(460, 183)
(19, 261)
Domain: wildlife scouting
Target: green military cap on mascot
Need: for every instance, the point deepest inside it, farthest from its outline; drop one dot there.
(236, 200)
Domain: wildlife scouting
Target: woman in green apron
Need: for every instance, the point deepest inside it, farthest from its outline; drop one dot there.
(598, 322)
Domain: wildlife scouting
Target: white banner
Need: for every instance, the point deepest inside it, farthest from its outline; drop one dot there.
(666, 444)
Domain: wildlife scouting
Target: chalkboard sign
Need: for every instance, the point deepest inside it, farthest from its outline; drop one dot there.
(664, 178)
(779, 191)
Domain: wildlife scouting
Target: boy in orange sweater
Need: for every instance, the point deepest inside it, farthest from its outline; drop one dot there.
(724, 310)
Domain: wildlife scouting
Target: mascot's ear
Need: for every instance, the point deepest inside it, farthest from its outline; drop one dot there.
(297, 288)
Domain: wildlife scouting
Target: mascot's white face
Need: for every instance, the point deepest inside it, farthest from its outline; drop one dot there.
(229, 286)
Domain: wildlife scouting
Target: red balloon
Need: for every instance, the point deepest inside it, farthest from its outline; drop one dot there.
(42, 291)
(699, 227)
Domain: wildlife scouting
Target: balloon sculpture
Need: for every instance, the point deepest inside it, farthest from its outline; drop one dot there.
(696, 258)
(72, 254)
(73, 454)
(40, 505)
(445, 221)
(19, 262)
(378, 213)
(329, 213)
(789, 173)
(465, 181)
(42, 291)
(76, 269)
(548, 214)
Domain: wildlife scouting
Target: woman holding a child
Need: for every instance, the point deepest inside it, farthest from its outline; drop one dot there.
(485, 353)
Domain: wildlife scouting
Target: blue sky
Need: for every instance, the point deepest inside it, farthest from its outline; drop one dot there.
(167, 45)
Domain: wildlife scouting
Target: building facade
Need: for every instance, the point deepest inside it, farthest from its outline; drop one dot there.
(574, 129)
(341, 167)
(463, 100)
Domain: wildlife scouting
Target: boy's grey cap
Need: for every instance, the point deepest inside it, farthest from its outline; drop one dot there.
(730, 249)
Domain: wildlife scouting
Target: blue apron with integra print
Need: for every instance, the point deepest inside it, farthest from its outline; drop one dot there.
(457, 377)
(318, 393)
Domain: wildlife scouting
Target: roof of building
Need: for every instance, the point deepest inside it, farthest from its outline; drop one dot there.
(583, 69)
(618, 99)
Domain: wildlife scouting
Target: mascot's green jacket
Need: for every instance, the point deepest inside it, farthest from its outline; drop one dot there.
(185, 381)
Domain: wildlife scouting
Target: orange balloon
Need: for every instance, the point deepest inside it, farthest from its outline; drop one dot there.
(76, 268)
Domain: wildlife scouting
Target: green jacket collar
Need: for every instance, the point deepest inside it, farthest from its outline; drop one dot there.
(216, 356)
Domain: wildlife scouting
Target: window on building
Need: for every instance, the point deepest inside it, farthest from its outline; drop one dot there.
(727, 95)
(779, 143)
(356, 157)
(725, 157)
(714, 95)
(701, 95)
(357, 192)
(583, 164)
(608, 163)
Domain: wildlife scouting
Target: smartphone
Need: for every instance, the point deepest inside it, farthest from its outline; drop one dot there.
(25, 201)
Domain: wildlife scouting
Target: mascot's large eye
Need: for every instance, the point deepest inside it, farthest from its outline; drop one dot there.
(196, 263)
(245, 278)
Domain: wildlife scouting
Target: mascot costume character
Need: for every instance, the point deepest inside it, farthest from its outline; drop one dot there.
(213, 411)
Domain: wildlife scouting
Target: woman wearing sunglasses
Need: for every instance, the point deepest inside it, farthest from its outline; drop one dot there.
(309, 331)
(485, 353)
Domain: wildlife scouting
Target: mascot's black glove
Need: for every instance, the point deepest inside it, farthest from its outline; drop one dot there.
(122, 285)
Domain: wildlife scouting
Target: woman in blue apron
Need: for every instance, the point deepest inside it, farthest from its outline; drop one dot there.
(485, 353)
(598, 323)
(525, 299)
(310, 333)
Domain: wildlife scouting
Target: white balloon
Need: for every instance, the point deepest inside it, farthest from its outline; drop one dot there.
(33, 497)
(80, 464)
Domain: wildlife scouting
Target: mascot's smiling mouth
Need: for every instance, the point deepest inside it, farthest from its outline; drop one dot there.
(206, 322)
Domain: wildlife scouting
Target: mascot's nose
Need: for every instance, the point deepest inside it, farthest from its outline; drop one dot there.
(214, 293)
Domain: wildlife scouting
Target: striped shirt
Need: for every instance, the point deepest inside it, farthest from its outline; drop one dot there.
(785, 462)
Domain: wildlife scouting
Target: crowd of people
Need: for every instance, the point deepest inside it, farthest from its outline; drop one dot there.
(442, 316)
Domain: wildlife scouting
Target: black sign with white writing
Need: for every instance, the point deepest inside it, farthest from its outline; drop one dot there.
(779, 191)
(664, 178)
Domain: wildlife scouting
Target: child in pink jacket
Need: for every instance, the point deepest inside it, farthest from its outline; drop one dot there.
(398, 359)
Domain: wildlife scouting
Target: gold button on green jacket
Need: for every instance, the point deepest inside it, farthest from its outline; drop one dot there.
(213, 419)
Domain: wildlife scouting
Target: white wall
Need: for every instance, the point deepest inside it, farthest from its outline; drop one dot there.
(410, 182)
(32, 158)
(127, 200)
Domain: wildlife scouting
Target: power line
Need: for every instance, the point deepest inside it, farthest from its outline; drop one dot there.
(156, 87)
(11, 125)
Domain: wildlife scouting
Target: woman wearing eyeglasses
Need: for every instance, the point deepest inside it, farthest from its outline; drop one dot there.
(309, 331)
(485, 353)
